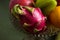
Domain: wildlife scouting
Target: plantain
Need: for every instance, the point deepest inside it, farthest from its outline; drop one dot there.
(46, 5)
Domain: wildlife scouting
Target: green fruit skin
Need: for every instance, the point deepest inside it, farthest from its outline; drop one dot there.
(46, 5)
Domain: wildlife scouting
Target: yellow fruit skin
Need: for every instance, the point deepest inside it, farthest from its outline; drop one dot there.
(55, 16)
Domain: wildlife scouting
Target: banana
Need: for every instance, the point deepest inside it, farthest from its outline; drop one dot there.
(46, 5)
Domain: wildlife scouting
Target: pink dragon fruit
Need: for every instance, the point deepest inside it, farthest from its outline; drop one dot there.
(31, 19)
(20, 2)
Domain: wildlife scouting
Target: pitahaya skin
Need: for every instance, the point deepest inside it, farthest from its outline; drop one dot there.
(31, 19)
(36, 20)
(20, 2)
(40, 18)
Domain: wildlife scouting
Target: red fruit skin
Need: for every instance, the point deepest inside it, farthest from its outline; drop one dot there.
(29, 19)
(36, 20)
(58, 2)
(20, 2)
(37, 14)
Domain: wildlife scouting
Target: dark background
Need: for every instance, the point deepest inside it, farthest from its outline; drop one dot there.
(7, 30)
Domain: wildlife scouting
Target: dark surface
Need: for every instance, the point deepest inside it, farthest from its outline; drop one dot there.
(7, 29)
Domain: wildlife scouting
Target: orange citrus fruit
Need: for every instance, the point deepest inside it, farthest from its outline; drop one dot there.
(55, 16)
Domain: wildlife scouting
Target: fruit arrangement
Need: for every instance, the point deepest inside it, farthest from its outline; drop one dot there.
(35, 15)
